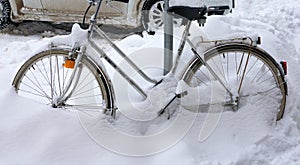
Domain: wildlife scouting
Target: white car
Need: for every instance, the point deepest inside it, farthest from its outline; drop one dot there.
(126, 13)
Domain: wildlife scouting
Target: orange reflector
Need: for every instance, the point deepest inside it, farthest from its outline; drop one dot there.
(69, 64)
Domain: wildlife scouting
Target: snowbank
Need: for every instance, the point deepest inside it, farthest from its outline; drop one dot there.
(31, 133)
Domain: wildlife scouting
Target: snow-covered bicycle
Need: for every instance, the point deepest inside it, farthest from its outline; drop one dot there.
(75, 79)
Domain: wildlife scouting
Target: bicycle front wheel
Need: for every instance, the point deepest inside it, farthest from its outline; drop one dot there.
(252, 75)
(43, 78)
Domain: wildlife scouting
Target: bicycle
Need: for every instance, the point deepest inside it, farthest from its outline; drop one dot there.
(59, 76)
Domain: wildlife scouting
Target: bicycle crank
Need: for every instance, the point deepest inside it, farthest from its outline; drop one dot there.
(180, 95)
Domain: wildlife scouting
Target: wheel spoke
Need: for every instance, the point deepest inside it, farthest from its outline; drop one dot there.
(222, 65)
(218, 69)
(39, 93)
(252, 66)
(81, 88)
(240, 65)
(87, 107)
(38, 86)
(46, 72)
(84, 97)
(86, 91)
(262, 75)
(58, 76)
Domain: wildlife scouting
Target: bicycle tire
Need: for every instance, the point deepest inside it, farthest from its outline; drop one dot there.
(268, 72)
(43, 77)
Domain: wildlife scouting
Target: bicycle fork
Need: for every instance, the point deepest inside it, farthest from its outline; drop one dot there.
(67, 92)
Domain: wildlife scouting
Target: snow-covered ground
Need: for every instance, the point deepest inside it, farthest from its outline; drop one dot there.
(31, 133)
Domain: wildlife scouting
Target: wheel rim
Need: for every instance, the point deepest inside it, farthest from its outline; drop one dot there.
(156, 15)
(261, 81)
(45, 79)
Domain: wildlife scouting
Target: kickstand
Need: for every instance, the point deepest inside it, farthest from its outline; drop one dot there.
(167, 105)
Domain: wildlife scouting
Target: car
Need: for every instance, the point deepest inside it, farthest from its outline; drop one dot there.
(147, 14)
(125, 13)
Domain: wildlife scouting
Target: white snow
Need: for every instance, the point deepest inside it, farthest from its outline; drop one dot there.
(31, 133)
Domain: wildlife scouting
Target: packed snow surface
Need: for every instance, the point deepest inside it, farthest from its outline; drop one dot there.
(31, 133)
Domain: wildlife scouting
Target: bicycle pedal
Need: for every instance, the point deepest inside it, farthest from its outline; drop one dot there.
(159, 82)
(166, 106)
(182, 94)
(169, 114)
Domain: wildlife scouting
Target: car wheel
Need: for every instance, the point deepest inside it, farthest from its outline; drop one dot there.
(153, 16)
(5, 10)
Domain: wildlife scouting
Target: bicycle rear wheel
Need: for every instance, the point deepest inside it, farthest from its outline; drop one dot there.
(251, 74)
(43, 78)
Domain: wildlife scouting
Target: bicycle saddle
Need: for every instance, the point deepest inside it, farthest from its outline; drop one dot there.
(190, 13)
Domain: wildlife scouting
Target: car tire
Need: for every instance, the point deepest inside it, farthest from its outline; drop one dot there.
(149, 7)
(5, 10)
(153, 16)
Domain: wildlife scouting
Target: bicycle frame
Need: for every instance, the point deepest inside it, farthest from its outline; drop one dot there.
(93, 28)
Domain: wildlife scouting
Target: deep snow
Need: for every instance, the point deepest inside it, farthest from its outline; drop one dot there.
(31, 133)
